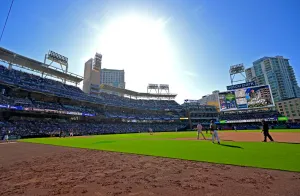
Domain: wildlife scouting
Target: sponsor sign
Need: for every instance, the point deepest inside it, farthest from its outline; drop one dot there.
(243, 85)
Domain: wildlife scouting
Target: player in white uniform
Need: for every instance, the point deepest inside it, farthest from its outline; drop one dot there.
(150, 131)
(6, 137)
(199, 131)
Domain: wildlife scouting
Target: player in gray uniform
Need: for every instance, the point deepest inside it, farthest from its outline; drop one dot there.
(214, 132)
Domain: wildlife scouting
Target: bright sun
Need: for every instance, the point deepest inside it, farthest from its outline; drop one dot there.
(136, 41)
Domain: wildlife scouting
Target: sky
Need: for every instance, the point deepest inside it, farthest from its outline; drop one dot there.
(188, 44)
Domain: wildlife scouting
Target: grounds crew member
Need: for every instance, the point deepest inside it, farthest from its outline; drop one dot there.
(265, 129)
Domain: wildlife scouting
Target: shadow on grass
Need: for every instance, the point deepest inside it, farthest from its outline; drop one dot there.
(231, 146)
(288, 142)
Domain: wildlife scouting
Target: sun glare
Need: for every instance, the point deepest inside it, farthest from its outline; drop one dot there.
(133, 42)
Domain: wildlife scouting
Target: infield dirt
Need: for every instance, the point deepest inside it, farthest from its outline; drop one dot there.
(36, 169)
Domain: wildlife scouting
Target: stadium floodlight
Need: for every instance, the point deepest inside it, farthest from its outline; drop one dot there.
(237, 69)
(55, 57)
(154, 87)
(164, 87)
(59, 59)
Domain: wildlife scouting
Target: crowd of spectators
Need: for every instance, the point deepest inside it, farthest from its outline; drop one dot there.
(258, 126)
(35, 127)
(33, 82)
(141, 115)
(133, 114)
(294, 125)
(249, 115)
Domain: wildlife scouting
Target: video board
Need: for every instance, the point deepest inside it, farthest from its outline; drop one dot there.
(246, 98)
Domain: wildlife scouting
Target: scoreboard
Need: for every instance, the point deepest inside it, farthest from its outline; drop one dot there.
(246, 98)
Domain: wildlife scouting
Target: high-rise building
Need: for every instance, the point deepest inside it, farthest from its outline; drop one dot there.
(92, 69)
(94, 76)
(276, 72)
(113, 77)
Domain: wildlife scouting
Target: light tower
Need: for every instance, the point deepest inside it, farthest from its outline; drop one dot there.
(237, 70)
(61, 60)
(165, 88)
(152, 87)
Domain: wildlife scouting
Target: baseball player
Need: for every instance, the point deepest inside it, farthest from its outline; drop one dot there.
(199, 131)
(150, 131)
(214, 132)
(6, 138)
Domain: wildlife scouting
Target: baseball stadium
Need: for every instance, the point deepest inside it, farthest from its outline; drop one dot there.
(59, 140)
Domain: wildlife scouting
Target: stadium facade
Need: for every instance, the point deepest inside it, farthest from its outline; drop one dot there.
(211, 100)
(276, 72)
(290, 108)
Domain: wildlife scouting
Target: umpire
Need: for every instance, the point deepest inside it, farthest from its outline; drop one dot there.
(266, 131)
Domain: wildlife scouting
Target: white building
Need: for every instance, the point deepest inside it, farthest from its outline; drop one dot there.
(113, 77)
(94, 76)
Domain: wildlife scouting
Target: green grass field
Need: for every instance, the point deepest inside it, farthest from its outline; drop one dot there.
(282, 156)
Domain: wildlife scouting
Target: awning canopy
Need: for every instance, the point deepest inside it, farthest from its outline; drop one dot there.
(16, 59)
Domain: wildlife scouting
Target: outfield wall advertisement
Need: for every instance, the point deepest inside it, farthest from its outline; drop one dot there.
(246, 98)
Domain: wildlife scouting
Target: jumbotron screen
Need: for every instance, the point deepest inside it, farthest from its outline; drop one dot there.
(246, 98)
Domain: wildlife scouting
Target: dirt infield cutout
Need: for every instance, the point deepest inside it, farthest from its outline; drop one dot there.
(36, 169)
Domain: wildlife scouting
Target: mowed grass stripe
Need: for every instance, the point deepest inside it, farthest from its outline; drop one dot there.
(255, 154)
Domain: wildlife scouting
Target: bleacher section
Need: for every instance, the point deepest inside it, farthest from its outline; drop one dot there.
(35, 83)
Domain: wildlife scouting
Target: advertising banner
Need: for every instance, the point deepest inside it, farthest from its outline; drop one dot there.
(4, 106)
(16, 107)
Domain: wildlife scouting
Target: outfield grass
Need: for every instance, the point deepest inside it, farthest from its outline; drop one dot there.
(280, 156)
